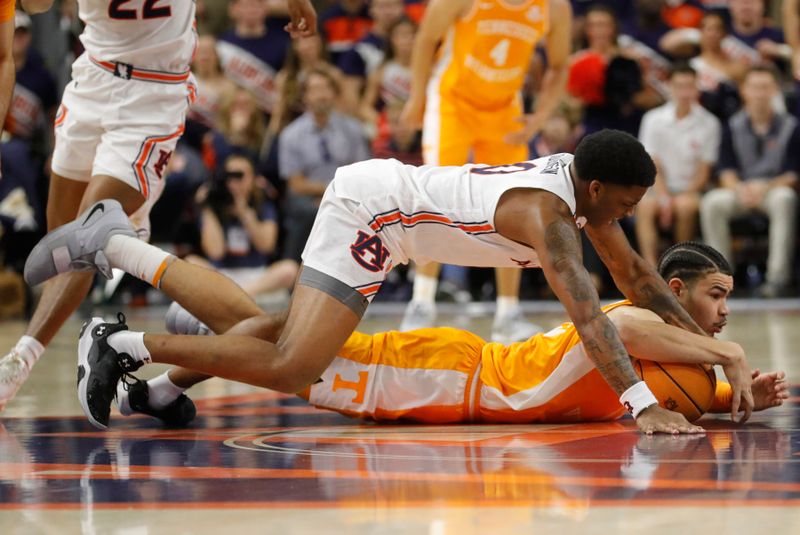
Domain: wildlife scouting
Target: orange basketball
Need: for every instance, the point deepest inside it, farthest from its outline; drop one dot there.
(684, 388)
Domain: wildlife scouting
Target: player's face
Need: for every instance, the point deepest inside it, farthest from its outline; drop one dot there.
(611, 202)
(707, 301)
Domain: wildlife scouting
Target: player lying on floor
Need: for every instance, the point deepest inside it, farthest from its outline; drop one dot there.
(445, 375)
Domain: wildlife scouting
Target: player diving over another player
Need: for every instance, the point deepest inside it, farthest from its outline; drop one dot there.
(376, 214)
(445, 375)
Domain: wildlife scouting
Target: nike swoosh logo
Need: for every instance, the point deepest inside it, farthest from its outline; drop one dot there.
(98, 206)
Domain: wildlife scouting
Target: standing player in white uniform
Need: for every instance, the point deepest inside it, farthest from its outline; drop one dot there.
(119, 121)
(376, 214)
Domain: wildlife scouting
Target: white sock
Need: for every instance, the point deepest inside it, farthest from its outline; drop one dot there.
(140, 259)
(505, 305)
(30, 349)
(163, 391)
(425, 288)
(131, 343)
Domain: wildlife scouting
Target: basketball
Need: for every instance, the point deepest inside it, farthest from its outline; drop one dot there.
(684, 388)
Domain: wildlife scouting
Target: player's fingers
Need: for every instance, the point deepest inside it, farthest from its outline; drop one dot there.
(735, 400)
(756, 373)
(748, 406)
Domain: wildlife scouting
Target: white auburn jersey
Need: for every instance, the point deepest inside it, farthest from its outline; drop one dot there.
(155, 34)
(446, 214)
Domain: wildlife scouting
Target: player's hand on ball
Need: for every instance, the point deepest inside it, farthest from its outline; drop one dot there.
(656, 419)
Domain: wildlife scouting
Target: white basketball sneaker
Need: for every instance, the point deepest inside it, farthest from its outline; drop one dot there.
(513, 327)
(418, 315)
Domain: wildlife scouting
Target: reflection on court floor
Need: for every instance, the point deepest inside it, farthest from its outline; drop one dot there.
(252, 450)
(268, 450)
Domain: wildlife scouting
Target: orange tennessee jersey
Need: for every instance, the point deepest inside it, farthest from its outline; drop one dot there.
(6, 10)
(486, 54)
(548, 378)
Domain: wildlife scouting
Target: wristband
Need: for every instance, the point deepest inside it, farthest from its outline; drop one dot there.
(637, 398)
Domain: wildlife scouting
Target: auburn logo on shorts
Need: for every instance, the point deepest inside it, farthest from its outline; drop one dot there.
(369, 252)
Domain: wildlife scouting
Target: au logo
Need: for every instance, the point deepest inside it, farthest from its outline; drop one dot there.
(369, 252)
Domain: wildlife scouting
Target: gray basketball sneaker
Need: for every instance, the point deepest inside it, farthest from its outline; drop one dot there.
(78, 246)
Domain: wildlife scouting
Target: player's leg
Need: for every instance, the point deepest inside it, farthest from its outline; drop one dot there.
(76, 138)
(687, 205)
(509, 325)
(425, 375)
(646, 227)
(445, 141)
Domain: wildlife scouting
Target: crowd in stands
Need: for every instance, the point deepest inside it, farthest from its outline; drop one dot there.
(708, 86)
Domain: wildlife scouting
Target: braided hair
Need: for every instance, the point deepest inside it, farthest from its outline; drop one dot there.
(690, 260)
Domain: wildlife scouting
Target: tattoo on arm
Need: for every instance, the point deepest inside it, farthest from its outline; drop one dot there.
(653, 294)
(598, 334)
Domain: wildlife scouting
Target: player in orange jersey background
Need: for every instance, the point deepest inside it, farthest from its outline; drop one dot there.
(471, 95)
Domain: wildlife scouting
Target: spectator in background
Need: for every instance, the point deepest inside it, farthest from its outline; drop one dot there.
(683, 139)
(310, 150)
(367, 54)
(718, 73)
(557, 135)
(305, 54)
(390, 83)
(239, 231)
(212, 88)
(343, 25)
(241, 130)
(30, 112)
(758, 164)
(254, 51)
(402, 142)
(640, 39)
(34, 100)
(609, 85)
(751, 40)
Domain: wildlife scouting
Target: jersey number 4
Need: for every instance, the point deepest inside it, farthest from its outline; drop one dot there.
(150, 10)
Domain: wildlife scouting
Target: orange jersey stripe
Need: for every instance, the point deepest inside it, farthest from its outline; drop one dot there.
(429, 218)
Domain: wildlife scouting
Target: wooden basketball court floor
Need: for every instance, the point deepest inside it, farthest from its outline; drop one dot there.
(256, 461)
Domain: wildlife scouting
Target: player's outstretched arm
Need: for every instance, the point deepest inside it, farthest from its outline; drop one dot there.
(439, 17)
(554, 82)
(637, 279)
(33, 7)
(543, 221)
